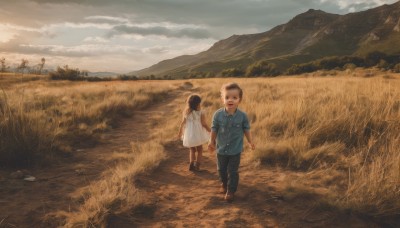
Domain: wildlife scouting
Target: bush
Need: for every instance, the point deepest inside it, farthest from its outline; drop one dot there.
(262, 68)
(232, 72)
(349, 66)
(67, 73)
(125, 77)
(382, 64)
(396, 68)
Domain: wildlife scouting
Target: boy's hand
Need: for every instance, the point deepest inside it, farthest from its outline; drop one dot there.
(211, 147)
(252, 146)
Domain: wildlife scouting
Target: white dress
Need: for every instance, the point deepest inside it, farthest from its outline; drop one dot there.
(194, 134)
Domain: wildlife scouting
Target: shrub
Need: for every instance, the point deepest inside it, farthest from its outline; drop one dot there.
(382, 64)
(396, 68)
(262, 68)
(125, 77)
(232, 72)
(67, 73)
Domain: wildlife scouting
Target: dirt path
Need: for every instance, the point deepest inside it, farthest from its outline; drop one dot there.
(180, 198)
(25, 204)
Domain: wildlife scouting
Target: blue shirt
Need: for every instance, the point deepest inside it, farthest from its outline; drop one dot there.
(230, 130)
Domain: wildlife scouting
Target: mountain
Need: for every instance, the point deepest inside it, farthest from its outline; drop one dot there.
(308, 36)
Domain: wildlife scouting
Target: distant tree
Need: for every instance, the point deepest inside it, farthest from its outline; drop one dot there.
(349, 66)
(196, 74)
(262, 68)
(67, 73)
(84, 73)
(209, 75)
(3, 65)
(232, 72)
(41, 65)
(382, 64)
(373, 58)
(23, 65)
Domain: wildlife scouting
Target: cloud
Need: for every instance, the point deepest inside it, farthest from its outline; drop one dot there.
(95, 39)
(107, 19)
(357, 5)
(194, 33)
(155, 50)
(84, 50)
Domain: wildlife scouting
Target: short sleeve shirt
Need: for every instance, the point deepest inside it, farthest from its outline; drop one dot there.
(230, 130)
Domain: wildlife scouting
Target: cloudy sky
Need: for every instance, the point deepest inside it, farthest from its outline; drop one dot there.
(126, 35)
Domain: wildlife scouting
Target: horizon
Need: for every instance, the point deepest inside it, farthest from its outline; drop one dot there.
(122, 36)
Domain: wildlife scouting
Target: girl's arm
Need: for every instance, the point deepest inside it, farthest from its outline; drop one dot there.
(181, 127)
(204, 123)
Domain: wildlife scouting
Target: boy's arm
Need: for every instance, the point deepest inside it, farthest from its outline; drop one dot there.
(211, 145)
(249, 139)
(246, 128)
(181, 128)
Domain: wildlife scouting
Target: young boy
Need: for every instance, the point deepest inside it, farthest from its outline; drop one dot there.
(228, 126)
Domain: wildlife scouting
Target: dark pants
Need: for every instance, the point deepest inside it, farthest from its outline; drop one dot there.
(228, 166)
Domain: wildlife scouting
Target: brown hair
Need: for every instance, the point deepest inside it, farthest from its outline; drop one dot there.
(191, 104)
(232, 85)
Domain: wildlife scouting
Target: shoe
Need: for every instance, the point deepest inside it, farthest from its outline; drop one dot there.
(197, 166)
(222, 188)
(229, 196)
(191, 166)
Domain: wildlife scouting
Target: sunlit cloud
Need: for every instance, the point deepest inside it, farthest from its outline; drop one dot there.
(195, 33)
(108, 19)
(96, 39)
(356, 5)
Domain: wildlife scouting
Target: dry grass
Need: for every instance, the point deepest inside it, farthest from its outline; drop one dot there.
(344, 123)
(115, 193)
(41, 117)
(342, 132)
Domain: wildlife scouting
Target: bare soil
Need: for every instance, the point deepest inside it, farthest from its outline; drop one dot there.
(178, 197)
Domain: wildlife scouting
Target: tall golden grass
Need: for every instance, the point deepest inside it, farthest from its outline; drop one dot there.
(115, 193)
(343, 123)
(346, 125)
(40, 117)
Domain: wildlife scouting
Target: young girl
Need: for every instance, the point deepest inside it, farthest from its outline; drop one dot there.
(195, 131)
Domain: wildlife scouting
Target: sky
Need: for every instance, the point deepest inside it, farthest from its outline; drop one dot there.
(126, 35)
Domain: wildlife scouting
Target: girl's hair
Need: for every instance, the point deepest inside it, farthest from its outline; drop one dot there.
(192, 103)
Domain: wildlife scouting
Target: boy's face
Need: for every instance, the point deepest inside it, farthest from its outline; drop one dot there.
(231, 99)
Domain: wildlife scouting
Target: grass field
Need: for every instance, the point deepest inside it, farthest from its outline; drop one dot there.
(341, 131)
